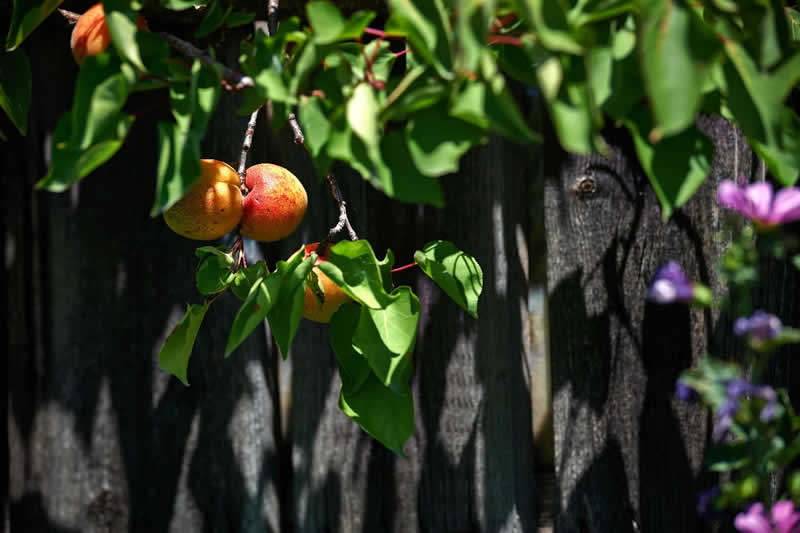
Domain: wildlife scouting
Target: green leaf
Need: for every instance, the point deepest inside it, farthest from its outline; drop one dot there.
(355, 25)
(549, 19)
(122, 24)
(676, 166)
(315, 124)
(286, 312)
(403, 181)
(490, 105)
(385, 414)
(214, 272)
(263, 295)
(239, 18)
(352, 265)
(756, 100)
(386, 336)
(100, 92)
(677, 51)
(436, 141)
(729, 456)
(246, 277)
(426, 30)
(326, 21)
(180, 5)
(174, 355)
(457, 273)
(362, 113)
(263, 62)
(178, 165)
(342, 327)
(69, 164)
(215, 17)
(193, 103)
(15, 88)
(568, 98)
(27, 15)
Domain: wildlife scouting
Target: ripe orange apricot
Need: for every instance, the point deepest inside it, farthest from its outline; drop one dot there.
(275, 205)
(212, 207)
(334, 296)
(90, 36)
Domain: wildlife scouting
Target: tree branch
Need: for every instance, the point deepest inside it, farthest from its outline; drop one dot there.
(71, 17)
(232, 79)
(248, 142)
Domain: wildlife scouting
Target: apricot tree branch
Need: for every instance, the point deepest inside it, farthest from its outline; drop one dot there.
(343, 222)
(232, 80)
(248, 142)
(71, 17)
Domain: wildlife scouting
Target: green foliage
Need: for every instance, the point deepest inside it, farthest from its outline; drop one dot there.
(457, 273)
(15, 88)
(27, 15)
(402, 105)
(174, 355)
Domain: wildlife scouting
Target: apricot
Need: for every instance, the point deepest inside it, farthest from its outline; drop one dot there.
(275, 205)
(332, 298)
(90, 36)
(212, 207)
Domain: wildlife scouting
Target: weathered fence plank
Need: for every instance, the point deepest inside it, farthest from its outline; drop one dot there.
(470, 461)
(100, 438)
(628, 455)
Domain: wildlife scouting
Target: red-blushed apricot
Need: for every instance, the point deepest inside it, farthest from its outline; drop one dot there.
(212, 207)
(90, 36)
(275, 205)
(334, 296)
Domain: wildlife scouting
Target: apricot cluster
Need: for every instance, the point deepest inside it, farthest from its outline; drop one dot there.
(213, 206)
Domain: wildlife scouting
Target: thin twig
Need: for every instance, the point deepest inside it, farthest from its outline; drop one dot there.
(272, 15)
(299, 138)
(343, 221)
(232, 79)
(248, 142)
(235, 81)
(71, 17)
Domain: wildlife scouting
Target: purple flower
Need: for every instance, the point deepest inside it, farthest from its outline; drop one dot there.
(753, 520)
(782, 519)
(759, 327)
(670, 285)
(770, 409)
(705, 505)
(735, 389)
(686, 392)
(757, 202)
(786, 519)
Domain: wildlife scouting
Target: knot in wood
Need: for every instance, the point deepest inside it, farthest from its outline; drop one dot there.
(585, 185)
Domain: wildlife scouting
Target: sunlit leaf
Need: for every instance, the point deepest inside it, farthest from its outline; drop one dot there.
(174, 355)
(456, 272)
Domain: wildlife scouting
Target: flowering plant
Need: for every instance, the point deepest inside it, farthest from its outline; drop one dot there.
(756, 431)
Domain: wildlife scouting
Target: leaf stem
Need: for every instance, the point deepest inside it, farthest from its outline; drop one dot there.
(404, 267)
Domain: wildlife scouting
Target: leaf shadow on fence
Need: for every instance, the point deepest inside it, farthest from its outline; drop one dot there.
(137, 449)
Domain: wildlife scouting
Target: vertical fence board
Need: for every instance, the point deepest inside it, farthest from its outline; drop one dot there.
(102, 439)
(469, 464)
(628, 455)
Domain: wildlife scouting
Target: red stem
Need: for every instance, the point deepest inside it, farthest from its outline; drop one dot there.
(404, 267)
(505, 39)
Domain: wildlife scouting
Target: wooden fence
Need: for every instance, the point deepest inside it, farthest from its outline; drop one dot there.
(101, 440)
